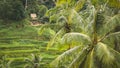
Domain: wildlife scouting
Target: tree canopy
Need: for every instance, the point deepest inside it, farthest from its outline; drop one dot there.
(12, 10)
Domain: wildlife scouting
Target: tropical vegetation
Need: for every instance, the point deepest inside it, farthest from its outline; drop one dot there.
(87, 32)
(69, 34)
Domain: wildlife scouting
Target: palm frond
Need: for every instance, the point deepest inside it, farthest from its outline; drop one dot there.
(65, 56)
(54, 17)
(47, 27)
(52, 11)
(111, 3)
(89, 62)
(104, 55)
(89, 20)
(75, 18)
(112, 40)
(110, 24)
(110, 35)
(62, 20)
(79, 5)
(55, 38)
(98, 2)
(80, 58)
(117, 56)
(114, 3)
(75, 39)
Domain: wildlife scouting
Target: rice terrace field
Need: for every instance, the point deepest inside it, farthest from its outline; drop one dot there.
(16, 47)
(59, 33)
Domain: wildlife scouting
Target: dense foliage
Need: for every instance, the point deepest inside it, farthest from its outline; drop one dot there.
(10, 10)
(78, 33)
(88, 30)
(19, 9)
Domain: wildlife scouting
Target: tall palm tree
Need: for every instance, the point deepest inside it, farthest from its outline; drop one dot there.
(91, 46)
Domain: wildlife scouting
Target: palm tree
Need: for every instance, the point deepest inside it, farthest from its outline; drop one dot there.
(33, 62)
(91, 46)
(63, 18)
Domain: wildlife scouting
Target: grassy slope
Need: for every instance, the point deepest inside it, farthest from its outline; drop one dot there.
(18, 42)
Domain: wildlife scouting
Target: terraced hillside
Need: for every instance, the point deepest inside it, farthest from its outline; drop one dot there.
(18, 53)
(18, 44)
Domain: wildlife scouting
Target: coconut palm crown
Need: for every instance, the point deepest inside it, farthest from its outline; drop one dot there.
(92, 45)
